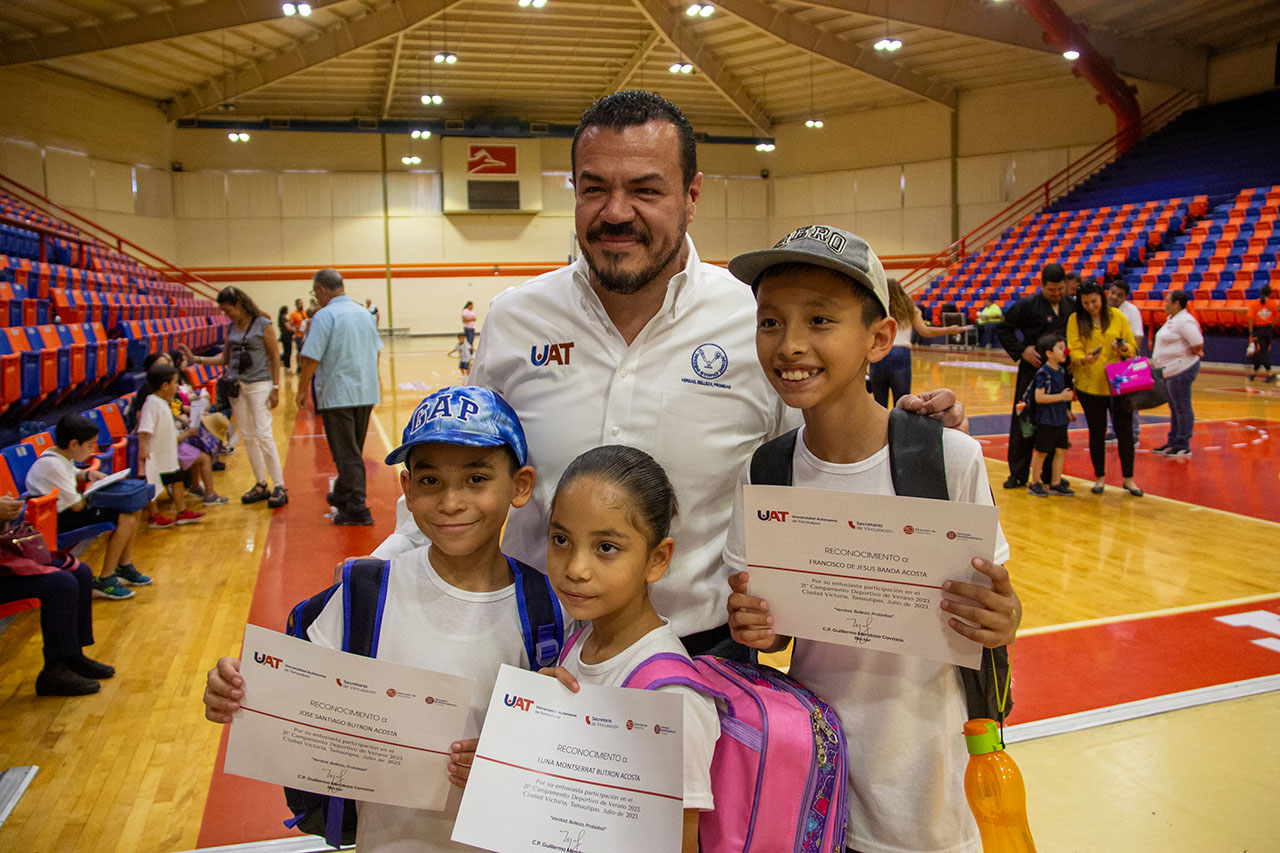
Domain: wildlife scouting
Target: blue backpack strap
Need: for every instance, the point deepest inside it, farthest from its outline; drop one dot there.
(541, 622)
(771, 463)
(364, 595)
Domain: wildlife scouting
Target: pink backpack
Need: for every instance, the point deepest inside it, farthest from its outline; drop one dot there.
(778, 775)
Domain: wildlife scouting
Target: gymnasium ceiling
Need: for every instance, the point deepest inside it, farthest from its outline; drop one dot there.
(756, 63)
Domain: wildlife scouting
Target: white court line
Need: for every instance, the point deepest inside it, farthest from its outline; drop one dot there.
(1149, 614)
(1141, 708)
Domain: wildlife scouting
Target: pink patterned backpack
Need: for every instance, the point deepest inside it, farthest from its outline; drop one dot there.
(778, 775)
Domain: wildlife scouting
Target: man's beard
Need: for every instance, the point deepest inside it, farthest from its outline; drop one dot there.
(619, 281)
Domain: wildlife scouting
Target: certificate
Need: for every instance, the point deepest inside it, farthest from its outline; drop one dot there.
(105, 481)
(598, 771)
(321, 720)
(866, 570)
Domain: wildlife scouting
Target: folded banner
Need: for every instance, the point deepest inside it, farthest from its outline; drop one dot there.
(1126, 377)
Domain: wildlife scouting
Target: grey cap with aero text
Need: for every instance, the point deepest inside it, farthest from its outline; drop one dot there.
(822, 246)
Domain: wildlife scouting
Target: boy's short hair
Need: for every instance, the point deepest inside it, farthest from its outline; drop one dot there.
(828, 247)
(1048, 342)
(1123, 285)
(159, 374)
(73, 427)
(465, 415)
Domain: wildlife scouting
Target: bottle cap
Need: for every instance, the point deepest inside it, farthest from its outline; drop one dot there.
(982, 736)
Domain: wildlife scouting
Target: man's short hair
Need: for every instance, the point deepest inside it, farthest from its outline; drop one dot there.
(1180, 296)
(1123, 285)
(1073, 275)
(1047, 342)
(1051, 274)
(633, 108)
(328, 278)
(74, 427)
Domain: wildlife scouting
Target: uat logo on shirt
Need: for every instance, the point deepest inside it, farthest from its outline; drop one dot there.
(491, 160)
(517, 702)
(551, 353)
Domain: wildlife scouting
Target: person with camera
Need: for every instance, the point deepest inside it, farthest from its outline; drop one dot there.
(251, 380)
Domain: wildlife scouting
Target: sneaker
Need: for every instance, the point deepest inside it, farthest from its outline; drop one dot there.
(1271, 377)
(1062, 489)
(343, 519)
(90, 668)
(1014, 483)
(1162, 449)
(1037, 490)
(279, 497)
(130, 575)
(214, 500)
(1180, 453)
(259, 492)
(195, 490)
(188, 516)
(110, 587)
(58, 680)
(219, 465)
(161, 522)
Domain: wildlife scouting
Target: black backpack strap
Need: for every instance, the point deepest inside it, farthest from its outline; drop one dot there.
(541, 622)
(916, 458)
(364, 594)
(771, 463)
(984, 687)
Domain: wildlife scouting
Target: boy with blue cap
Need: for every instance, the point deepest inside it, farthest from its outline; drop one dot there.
(451, 606)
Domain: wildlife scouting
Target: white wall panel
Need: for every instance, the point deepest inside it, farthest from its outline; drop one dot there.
(712, 203)
(882, 229)
(879, 188)
(253, 195)
(747, 235)
(557, 193)
(746, 198)
(413, 193)
(926, 230)
(69, 178)
(305, 241)
(200, 195)
(357, 194)
(927, 184)
(416, 239)
(112, 186)
(202, 243)
(254, 242)
(973, 215)
(357, 240)
(23, 162)
(155, 192)
(710, 239)
(834, 193)
(793, 197)
(306, 194)
(496, 239)
(983, 179)
(1032, 168)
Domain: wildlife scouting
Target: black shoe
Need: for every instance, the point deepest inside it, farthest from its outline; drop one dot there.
(219, 465)
(1014, 483)
(90, 668)
(279, 497)
(331, 499)
(343, 519)
(259, 492)
(58, 680)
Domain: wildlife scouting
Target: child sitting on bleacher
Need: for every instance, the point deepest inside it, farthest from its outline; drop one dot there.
(76, 440)
(158, 444)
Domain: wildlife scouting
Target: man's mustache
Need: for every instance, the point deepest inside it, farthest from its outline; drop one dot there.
(622, 229)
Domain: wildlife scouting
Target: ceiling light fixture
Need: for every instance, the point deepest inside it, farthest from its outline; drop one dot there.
(411, 161)
(813, 122)
(432, 100)
(537, 4)
(765, 146)
(1071, 55)
(681, 68)
(291, 9)
(888, 44)
(421, 134)
(700, 10)
(238, 137)
(304, 9)
(446, 58)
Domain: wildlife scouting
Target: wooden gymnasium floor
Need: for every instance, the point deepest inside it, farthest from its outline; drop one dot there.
(1128, 602)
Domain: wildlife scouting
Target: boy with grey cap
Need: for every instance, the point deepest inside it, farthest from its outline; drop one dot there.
(822, 317)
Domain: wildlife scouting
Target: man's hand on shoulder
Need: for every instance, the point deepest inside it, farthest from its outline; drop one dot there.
(940, 404)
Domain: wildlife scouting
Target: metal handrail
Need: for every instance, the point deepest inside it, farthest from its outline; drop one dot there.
(168, 270)
(1046, 193)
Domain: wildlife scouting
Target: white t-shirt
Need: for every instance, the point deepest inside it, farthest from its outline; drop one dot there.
(156, 418)
(688, 391)
(1134, 316)
(54, 471)
(903, 716)
(701, 722)
(428, 623)
(1174, 341)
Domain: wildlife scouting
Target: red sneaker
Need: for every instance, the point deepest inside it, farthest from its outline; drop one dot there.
(188, 516)
(161, 522)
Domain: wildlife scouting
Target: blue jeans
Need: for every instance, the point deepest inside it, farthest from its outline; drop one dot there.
(987, 335)
(891, 373)
(1183, 420)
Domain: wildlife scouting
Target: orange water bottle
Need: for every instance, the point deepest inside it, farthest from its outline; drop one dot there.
(997, 797)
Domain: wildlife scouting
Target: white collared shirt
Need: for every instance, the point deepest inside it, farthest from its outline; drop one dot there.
(688, 391)
(1133, 315)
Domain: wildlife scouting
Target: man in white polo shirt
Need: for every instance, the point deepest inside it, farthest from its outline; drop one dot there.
(638, 342)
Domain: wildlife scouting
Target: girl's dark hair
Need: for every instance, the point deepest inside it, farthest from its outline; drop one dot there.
(1084, 320)
(236, 296)
(636, 473)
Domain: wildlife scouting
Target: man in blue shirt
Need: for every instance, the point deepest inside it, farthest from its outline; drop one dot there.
(341, 351)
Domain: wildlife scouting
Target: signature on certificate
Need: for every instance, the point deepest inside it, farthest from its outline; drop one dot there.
(336, 781)
(861, 629)
(573, 843)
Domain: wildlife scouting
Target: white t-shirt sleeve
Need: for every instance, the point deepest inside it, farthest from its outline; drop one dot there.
(326, 630)
(147, 421)
(47, 474)
(967, 479)
(701, 731)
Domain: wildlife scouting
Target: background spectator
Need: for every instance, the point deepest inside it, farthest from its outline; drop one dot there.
(1178, 347)
(893, 372)
(469, 322)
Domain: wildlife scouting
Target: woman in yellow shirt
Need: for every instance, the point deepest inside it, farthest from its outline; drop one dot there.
(1099, 335)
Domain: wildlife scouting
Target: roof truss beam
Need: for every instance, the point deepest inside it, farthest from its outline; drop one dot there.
(708, 64)
(637, 59)
(337, 41)
(1143, 58)
(170, 23)
(391, 76)
(796, 31)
